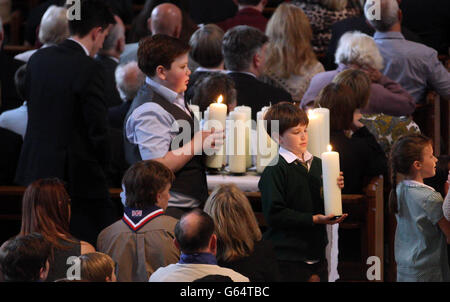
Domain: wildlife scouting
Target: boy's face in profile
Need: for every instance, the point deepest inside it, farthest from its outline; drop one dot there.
(295, 139)
(177, 77)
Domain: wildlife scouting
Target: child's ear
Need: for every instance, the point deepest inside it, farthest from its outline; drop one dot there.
(417, 165)
(161, 72)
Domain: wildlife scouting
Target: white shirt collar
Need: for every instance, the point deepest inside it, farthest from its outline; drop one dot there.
(167, 93)
(204, 69)
(413, 183)
(291, 157)
(79, 43)
(114, 59)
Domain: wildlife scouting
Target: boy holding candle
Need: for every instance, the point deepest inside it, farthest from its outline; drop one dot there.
(157, 117)
(292, 199)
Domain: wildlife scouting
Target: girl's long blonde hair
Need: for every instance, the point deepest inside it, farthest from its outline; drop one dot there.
(289, 49)
(235, 223)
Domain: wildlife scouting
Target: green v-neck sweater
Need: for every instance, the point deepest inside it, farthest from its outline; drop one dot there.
(290, 196)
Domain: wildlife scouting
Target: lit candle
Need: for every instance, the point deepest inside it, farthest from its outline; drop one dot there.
(248, 122)
(236, 143)
(331, 191)
(266, 147)
(318, 131)
(216, 120)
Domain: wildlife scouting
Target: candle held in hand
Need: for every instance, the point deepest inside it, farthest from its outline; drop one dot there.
(216, 122)
(331, 191)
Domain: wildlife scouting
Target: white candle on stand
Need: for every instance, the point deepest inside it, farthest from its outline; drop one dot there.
(216, 119)
(236, 143)
(248, 114)
(264, 143)
(331, 191)
(318, 131)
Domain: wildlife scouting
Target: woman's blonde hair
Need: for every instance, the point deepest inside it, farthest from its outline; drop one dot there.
(235, 223)
(96, 267)
(289, 49)
(359, 82)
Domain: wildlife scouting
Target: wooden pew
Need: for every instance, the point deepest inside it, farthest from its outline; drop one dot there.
(365, 217)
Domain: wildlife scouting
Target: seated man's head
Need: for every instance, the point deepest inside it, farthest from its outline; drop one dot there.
(97, 267)
(25, 258)
(54, 27)
(243, 49)
(383, 15)
(93, 24)
(292, 127)
(257, 4)
(165, 60)
(206, 46)
(166, 19)
(342, 103)
(194, 233)
(147, 183)
(114, 43)
(207, 88)
(129, 79)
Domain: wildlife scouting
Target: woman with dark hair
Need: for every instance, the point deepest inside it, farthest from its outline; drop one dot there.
(360, 156)
(46, 210)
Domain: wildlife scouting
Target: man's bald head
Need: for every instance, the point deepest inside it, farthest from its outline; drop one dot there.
(166, 19)
(193, 232)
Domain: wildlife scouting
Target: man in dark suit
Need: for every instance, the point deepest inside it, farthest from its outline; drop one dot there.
(67, 134)
(250, 12)
(109, 57)
(244, 54)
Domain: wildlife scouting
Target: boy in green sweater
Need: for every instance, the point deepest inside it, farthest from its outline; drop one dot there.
(292, 199)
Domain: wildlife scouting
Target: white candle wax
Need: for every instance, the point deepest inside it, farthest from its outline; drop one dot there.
(236, 143)
(325, 133)
(331, 191)
(216, 119)
(267, 148)
(248, 114)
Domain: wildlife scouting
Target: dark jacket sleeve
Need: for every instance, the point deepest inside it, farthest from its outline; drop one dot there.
(276, 211)
(95, 114)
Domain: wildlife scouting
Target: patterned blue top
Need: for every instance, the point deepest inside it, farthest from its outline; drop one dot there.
(420, 245)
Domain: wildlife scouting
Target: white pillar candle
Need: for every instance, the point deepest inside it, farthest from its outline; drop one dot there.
(325, 133)
(196, 110)
(248, 122)
(267, 148)
(216, 119)
(331, 191)
(236, 143)
(318, 131)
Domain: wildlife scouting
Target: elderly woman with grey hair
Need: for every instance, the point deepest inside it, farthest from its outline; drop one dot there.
(359, 51)
(54, 29)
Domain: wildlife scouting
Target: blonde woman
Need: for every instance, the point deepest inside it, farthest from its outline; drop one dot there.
(290, 59)
(322, 14)
(240, 245)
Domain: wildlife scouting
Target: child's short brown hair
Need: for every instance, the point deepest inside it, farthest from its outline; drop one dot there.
(143, 181)
(159, 50)
(96, 267)
(287, 114)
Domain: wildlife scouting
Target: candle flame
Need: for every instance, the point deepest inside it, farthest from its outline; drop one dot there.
(220, 99)
(329, 148)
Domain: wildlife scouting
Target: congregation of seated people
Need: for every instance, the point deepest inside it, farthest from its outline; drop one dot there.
(90, 104)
